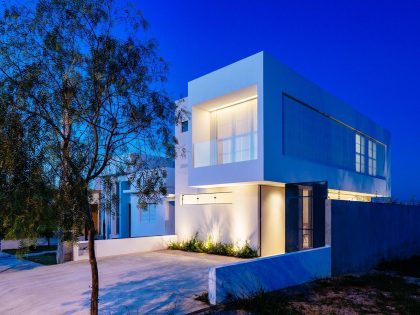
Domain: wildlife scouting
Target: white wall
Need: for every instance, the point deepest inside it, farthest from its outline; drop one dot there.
(123, 246)
(235, 223)
(273, 227)
(145, 227)
(243, 279)
(15, 244)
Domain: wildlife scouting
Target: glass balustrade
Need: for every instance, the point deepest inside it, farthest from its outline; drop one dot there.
(226, 150)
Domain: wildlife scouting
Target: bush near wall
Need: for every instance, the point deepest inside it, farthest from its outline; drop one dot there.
(214, 248)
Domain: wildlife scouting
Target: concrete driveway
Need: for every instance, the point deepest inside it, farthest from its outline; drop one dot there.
(162, 282)
(9, 263)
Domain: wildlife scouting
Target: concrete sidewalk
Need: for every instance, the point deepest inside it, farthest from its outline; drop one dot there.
(163, 282)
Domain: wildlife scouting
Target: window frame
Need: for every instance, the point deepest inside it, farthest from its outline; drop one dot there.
(372, 158)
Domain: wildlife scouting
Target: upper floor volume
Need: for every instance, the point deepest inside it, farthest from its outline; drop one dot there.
(257, 120)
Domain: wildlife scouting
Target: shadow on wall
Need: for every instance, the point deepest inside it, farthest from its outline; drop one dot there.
(235, 230)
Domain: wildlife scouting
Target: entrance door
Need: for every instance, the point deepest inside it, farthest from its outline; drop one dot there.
(305, 215)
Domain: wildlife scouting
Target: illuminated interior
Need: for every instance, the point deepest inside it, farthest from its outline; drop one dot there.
(226, 129)
(350, 195)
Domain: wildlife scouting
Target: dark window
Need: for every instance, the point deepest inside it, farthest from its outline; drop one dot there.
(184, 126)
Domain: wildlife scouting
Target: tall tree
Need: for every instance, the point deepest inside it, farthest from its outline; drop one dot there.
(26, 191)
(86, 70)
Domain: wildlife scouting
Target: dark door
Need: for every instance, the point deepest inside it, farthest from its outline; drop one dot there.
(305, 215)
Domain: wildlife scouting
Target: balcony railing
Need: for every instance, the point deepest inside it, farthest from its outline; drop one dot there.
(227, 150)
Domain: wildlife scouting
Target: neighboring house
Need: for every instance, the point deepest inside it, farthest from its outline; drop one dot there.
(127, 219)
(265, 149)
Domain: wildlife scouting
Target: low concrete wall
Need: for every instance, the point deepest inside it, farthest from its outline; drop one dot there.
(123, 246)
(15, 244)
(240, 280)
(364, 234)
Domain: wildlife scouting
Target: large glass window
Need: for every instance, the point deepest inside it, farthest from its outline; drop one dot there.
(235, 131)
(372, 158)
(360, 153)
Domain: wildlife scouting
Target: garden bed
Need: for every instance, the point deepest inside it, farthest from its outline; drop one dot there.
(43, 254)
(215, 248)
(43, 259)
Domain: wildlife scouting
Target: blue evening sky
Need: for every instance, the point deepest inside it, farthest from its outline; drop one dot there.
(366, 53)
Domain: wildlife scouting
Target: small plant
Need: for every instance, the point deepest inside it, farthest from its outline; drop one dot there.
(203, 297)
(216, 248)
(247, 251)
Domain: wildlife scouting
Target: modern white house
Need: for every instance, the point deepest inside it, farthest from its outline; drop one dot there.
(265, 149)
(127, 219)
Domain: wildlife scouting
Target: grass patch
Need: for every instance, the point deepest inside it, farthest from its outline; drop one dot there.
(31, 249)
(264, 303)
(409, 267)
(370, 293)
(214, 248)
(375, 293)
(44, 259)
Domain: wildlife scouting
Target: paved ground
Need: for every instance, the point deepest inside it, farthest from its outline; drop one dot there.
(163, 282)
(8, 263)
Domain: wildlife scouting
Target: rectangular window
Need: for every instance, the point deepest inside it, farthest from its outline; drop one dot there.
(360, 153)
(184, 126)
(148, 214)
(372, 158)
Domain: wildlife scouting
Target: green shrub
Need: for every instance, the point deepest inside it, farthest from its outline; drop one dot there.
(216, 248)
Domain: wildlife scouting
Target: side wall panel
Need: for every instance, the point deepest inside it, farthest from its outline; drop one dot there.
(364, 234)
(288, 168)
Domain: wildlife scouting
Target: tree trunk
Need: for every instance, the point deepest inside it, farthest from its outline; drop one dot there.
(94, 297)
(94, 272)
(60, 248)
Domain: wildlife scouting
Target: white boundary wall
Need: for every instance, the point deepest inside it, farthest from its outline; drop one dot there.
(15, 244)
(123, 246)
(243, 279)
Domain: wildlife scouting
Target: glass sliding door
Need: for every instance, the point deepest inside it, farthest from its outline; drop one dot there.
(235, 130)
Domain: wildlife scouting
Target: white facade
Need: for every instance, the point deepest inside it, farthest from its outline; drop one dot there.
(255, 126)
